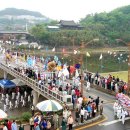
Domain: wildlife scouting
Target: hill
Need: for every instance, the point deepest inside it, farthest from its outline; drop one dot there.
(113, 27)
(17, 19)
(18, 12)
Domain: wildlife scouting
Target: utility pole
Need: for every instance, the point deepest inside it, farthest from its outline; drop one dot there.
(81, 63)
(128, 89)
(73, 47)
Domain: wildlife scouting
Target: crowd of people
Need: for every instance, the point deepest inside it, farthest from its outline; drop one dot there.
(16, 97)
(108, 82)
(85, 109)
(119, 111)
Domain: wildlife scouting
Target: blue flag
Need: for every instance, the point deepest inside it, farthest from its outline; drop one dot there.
(29, 62)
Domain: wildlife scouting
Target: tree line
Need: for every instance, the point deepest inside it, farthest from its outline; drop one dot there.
(112, 29)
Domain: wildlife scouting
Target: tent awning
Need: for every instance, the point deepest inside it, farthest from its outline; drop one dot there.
(7, 83)
(18, 82)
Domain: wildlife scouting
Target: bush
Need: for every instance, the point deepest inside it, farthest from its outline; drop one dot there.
(26, 116)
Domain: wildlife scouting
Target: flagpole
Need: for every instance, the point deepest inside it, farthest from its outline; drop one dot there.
(101, 65)
(86, 63)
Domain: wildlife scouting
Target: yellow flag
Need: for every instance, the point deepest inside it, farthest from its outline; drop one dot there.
(87, 54)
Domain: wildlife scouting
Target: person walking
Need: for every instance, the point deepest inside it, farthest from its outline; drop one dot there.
(14, 126)
(31, 122)
(63, 124)
(9, 123)
(7, 101)
(97, 103)
(123, 114)
(5, 108)
(48, 125)
(77, 116)
(56, 121)
(16, 104)
(82, 114)
(2, 97)
(23, 105)
(10, 105)
(101, 108)
(21, 98)
(13, 95)
(21, 127)
(70, 122)
(5, 127)
(29, 98)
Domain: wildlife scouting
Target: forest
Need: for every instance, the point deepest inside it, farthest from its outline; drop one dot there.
(112, 29)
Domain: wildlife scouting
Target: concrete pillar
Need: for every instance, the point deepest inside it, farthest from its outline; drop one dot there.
(5, 75)
(35, 98)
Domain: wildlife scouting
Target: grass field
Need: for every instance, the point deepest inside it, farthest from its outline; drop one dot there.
(123, 75)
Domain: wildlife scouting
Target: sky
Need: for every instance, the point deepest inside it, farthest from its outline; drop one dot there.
(65, 9)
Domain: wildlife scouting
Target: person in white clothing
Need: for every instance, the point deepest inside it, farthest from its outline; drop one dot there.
(80, 100)
(10, 105)
(13, 95)
(25, 94)
(21, 100)
(123, 114)
(23, 105)
(3, 96)
(18, 94)
(119, 109)
(5, 108)
(7, 96)
(29, 98)
(5, 127)
(65, 114)
(7, 101)
(115, 107)
(88, 86)
(16, 104)
(82, 112)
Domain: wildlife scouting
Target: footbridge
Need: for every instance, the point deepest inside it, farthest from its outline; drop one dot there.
(38, 89)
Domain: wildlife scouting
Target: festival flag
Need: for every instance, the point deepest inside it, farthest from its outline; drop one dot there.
(100, 57)
(87, 54)
(33, 61)
(53, 50)
(29, 62)
(56, 59)
(59, 63)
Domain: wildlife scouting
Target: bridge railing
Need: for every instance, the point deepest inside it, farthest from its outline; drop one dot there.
(42, 89)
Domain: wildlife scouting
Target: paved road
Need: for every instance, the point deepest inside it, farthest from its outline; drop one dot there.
(111, 123)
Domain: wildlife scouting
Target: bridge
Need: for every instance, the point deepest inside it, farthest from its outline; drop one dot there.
(14, 32)
(37, 88)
